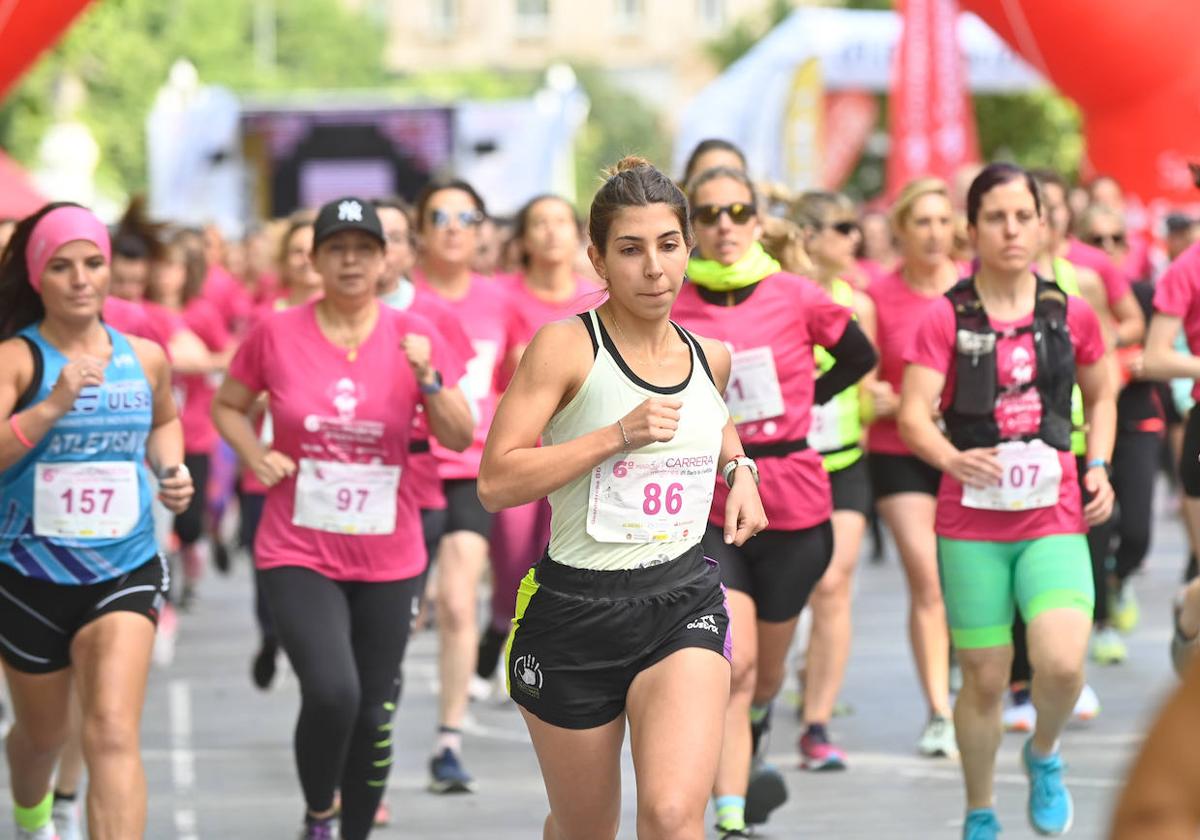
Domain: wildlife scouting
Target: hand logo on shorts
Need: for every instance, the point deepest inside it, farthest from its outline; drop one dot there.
(528, 673)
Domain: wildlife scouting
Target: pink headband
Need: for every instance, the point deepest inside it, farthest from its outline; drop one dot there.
(56, 229)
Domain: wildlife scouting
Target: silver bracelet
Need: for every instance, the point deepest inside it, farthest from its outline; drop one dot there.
(625, 437)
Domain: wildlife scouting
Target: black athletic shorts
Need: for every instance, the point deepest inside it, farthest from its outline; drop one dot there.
(580, 636)
(891, 474)
(778, 569)
(1189, 459)
(464, 511)
(39, 619)
(852, 488)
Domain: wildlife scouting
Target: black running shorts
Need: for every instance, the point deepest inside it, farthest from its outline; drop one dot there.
(851, 488)
(1189, 459)
(892, 474)
(464, 511)
(580, 636)
(39, 619)
(777, 569)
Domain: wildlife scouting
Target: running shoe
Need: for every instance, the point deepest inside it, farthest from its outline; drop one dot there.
(66, 819)
(1108, 648)
(817, 753)
(981, 824)
(1019, 715)
(1087, 707)
(1182, 648)
(447, 774)
(937, 741)
(46, 832)
(1123, 609)
(383, 814)
(1051, 810)
(729, 832)
(262, 670)
(479, 690)
(220, 556)
(325, 829)
(765, 792)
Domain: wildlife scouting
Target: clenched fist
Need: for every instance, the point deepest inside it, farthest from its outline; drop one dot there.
(654, 421)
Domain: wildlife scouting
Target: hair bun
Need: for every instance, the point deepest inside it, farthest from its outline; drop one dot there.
(626, 164)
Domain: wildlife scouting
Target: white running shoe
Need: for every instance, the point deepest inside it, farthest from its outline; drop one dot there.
(1020, 717)
(1087, 707)
(938, 738)
(164, 639)
(46, 832)
(479, 690)
(66, 820)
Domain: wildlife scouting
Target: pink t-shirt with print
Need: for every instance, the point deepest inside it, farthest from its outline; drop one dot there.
(325, 407)
(1016, 363)
(781, 320)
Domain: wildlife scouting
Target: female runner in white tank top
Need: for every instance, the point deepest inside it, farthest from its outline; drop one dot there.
(624, 617)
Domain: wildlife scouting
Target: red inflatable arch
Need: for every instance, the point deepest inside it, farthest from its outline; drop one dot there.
(1134, 70)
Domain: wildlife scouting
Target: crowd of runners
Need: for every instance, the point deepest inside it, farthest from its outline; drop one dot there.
(656, 436)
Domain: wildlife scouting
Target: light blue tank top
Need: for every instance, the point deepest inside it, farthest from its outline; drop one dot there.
(108, 425)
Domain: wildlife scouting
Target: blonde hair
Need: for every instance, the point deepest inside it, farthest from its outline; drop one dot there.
(913, 192)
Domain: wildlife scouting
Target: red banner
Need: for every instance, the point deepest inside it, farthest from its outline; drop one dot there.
(27, 27)
(850, 117)
(931, 120)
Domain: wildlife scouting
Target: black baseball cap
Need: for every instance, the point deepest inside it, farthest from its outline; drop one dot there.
(347, 214)
(1179, 222)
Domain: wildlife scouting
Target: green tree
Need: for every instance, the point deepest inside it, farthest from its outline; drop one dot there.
(123, 49)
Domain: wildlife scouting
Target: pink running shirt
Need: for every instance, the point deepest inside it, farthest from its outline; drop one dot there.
(326, 407)
(491, 319)
(199, 433)
(899, 313)
(538, 312)
(1116, 284)
(1177, 293)
(933, 347)
(782, 319)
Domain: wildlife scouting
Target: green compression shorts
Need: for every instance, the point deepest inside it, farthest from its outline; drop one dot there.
(982, 581)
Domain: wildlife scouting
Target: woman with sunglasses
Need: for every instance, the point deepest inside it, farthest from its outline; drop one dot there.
(999, 356)
(340, 552)
(623, 620)
(448, 217)
(546, 289)
(90, 412)
(904, 486)
(831, 236)
(772, 321)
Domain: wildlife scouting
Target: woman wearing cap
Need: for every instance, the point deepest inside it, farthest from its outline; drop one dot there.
(89, 411)
(624, 618)
(339, 550)
(449, 214)
(771, 321)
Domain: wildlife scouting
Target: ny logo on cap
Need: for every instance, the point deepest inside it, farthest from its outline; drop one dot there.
(350, 211)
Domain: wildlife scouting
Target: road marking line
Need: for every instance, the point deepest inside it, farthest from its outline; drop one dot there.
(183, 758)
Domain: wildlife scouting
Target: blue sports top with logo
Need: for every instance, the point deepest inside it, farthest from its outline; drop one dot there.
(76, 508)
(645, 507)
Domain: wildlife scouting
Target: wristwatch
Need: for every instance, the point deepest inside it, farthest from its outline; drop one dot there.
(732, 466)
(171, 472)
(434, 386)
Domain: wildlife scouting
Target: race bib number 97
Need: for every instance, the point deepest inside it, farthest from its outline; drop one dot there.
(638, 498)
(346, 498)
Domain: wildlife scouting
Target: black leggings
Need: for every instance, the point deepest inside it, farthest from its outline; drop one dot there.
(189, 525)
(250, 507)
(345, 641)
(1136, 459)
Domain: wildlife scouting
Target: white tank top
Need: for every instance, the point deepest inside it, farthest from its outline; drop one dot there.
(644, 507)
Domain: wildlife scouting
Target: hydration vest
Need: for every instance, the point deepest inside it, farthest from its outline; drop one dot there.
(971, 417)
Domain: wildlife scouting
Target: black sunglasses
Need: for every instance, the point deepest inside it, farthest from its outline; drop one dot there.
(844, 228)
(709, 214)
(1098, 241)
(466, 218)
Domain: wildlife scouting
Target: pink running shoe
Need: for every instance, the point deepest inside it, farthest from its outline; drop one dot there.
(817, 753)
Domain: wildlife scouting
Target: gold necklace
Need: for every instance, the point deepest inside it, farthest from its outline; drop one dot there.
(617, 324)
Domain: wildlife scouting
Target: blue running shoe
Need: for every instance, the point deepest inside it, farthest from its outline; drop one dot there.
(981, 824)
(447, 775)
(1051, 810)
